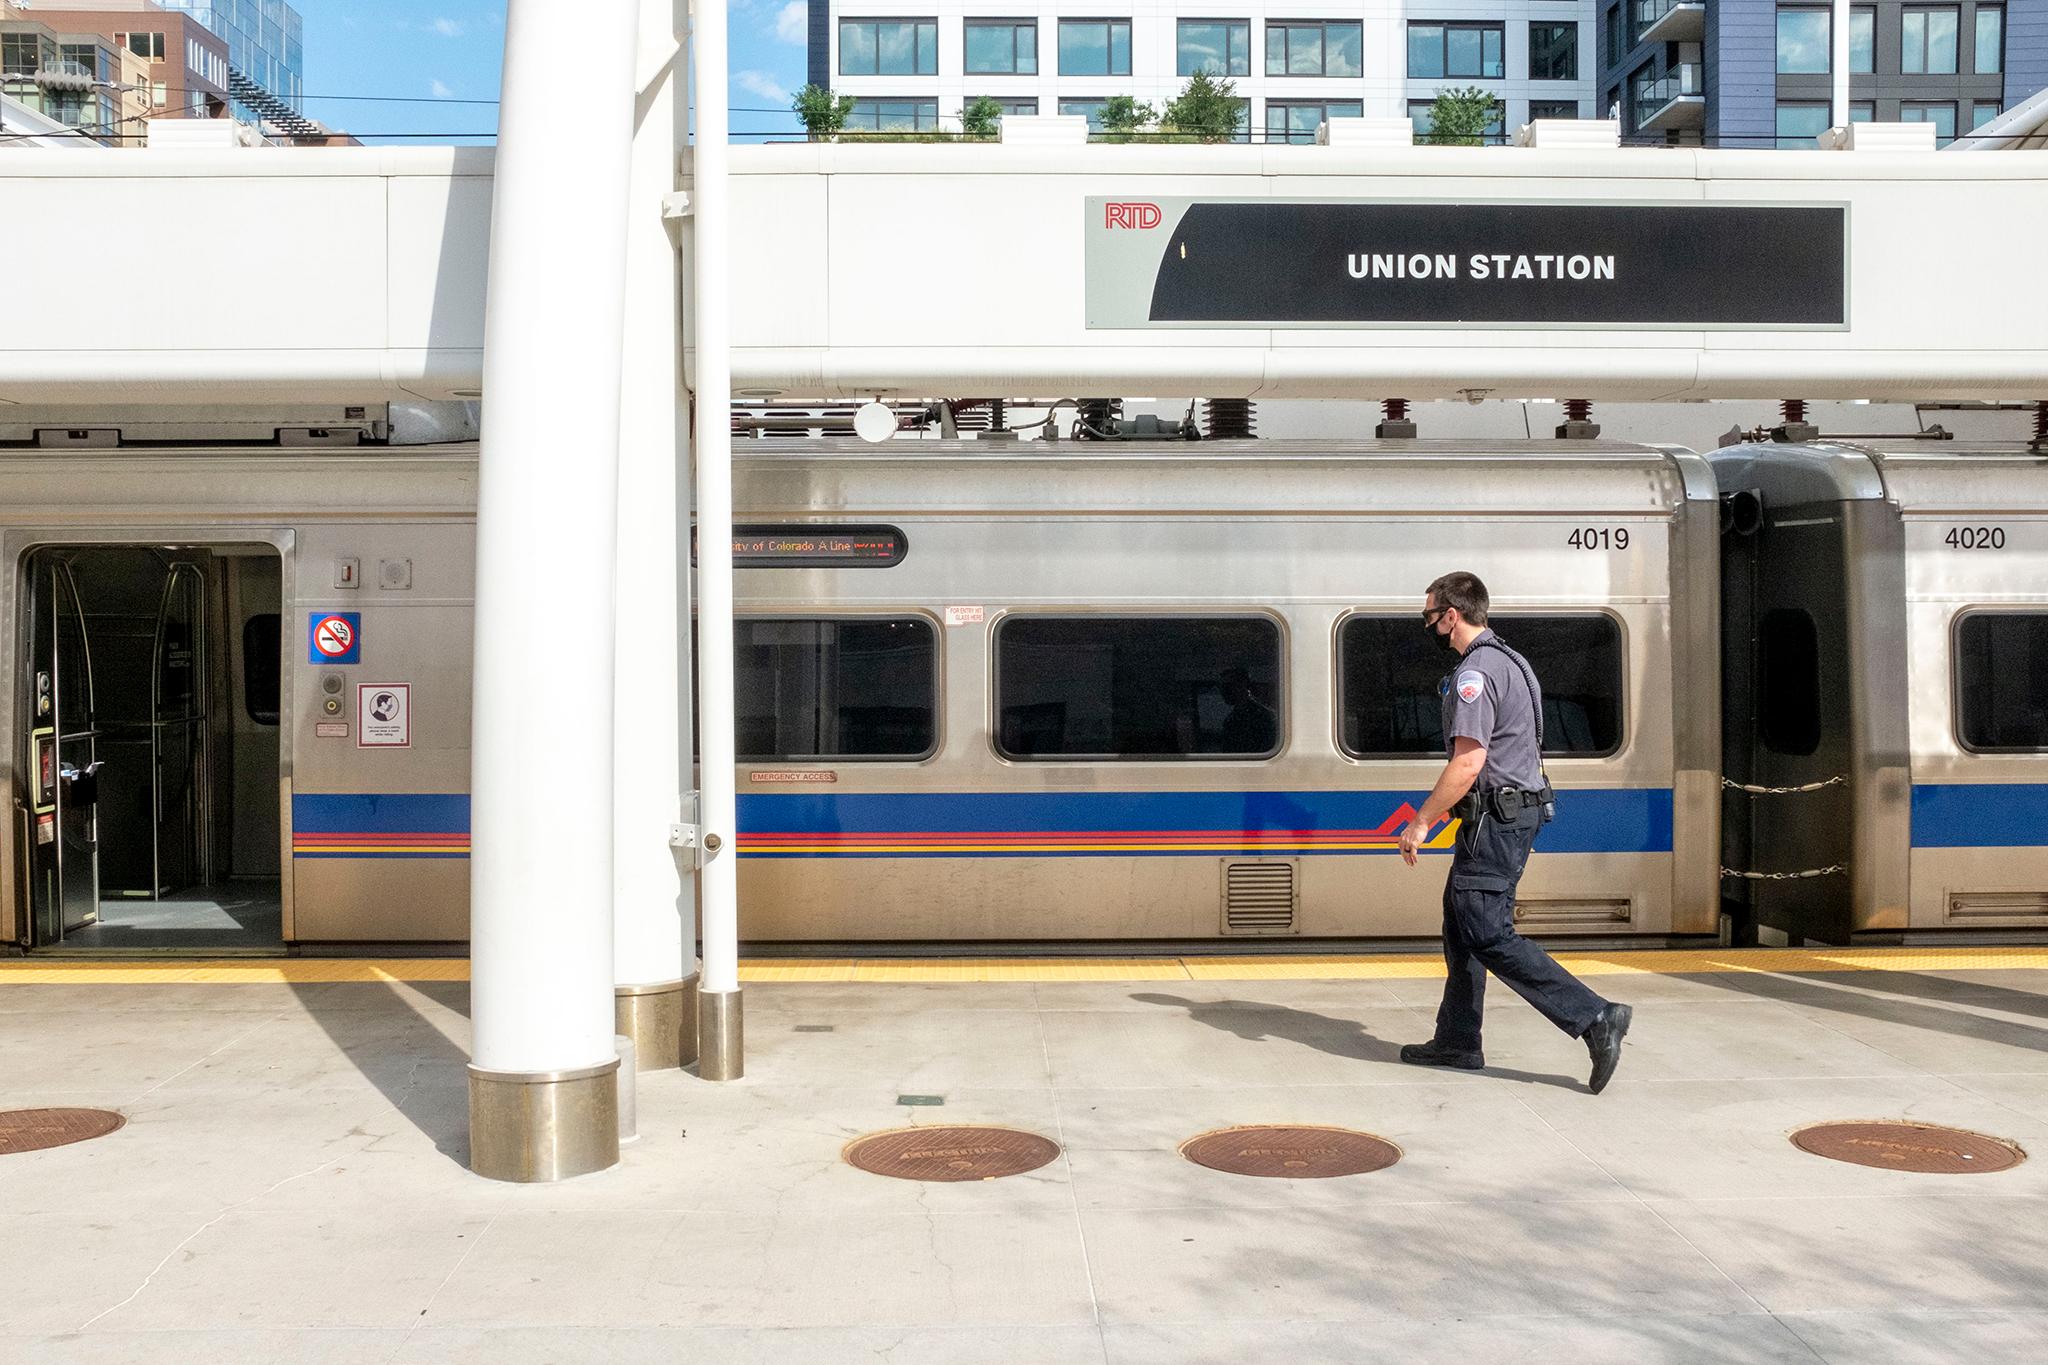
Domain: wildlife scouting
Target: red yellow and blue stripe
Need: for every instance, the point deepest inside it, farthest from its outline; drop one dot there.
(1152, 824)
(380, 825)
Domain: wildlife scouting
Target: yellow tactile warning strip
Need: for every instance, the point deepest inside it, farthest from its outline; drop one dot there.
(1279, 967)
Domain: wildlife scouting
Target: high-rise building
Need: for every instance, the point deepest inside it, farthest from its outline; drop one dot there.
(1293, 65)
(266, 58)
(1756, 73)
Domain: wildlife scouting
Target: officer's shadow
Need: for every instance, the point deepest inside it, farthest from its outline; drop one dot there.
(1257, 1021)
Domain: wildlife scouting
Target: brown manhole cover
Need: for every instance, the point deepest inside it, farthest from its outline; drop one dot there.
(31, 1130)
(1919, 1147)
(952, 1153)
(1292, 1152)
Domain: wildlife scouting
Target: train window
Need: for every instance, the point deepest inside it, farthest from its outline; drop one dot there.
(1788, 681)
(1138, 687)
(2001, 661)
(1388, 673)
(259, 667)
(835, 687)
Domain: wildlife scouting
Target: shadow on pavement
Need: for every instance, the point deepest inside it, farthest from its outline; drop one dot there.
(402, 1051)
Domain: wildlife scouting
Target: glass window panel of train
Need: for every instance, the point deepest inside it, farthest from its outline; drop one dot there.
(2002, 681)
(835, 688)
(1137, 687)
(1388, 673)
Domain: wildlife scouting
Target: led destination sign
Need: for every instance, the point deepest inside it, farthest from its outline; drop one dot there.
(1180, 262)
(813, 547)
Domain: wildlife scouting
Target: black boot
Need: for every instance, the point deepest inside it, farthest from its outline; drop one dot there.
(1433, 1053)
(1603, 1041)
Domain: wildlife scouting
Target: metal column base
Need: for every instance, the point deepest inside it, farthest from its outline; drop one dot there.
(721, 1036)
(544, 1125)
(661, 1019)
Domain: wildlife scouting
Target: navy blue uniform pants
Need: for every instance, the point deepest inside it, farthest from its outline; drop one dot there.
(1480, 937)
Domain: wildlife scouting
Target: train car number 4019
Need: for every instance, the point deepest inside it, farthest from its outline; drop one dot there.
(1598, 538)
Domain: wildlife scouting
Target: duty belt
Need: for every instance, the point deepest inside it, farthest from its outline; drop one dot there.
(1505, 803)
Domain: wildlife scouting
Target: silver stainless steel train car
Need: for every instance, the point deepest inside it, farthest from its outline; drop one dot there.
(1080, 692)
(1887, 687)
(202, 643)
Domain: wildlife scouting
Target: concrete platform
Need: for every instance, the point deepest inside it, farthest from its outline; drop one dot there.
(291, 1182)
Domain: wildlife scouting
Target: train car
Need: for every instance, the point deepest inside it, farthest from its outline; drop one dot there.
(1887, 688)
(1110, 693)
(1130, 693)
(240, 715)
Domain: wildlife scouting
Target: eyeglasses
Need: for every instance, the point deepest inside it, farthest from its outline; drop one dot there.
(1432, 615)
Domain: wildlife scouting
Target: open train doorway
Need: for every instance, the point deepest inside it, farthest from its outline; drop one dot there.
(150, 687)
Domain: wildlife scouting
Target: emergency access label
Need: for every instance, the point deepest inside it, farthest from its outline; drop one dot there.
(334, 637)
(1174, 261)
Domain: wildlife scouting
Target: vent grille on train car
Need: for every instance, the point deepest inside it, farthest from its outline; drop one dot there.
(1260, 896)
(1539, 914)
(1998, 907)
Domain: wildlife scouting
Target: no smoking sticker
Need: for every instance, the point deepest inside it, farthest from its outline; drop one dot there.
(335, 637)
(383, 715)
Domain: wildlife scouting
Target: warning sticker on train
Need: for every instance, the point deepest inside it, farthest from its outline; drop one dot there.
(383, 715)
(1471, 685)
(336, 637)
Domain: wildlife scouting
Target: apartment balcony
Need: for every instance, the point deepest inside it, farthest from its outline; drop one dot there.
(1675, 99)
(1671, 21)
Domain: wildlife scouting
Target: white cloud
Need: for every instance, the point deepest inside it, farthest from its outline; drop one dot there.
(762, 84)
(793, 23)
(447, 28)
(439, 91)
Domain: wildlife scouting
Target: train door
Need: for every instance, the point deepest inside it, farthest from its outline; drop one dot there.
(63, 765)
(153, 681)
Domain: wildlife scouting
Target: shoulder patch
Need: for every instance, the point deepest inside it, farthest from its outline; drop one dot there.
(1471, 686)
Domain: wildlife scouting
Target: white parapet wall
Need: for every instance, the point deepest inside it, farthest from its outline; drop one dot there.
(959, 270)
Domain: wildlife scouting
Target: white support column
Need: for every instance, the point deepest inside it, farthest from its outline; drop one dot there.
(1838, 63)
(720, 1027)
(653, 908)
(543, 1078)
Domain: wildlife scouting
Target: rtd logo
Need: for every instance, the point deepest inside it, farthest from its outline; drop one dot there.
(1130, 215)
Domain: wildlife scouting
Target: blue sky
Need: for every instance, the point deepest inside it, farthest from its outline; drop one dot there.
(444, 51)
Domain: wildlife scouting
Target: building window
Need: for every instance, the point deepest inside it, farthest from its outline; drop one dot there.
(835, 688)
(888, 47)
(1138, 687)
(1095, 47)
(1799, 124)
(1990, 40)
(1088, 109)
(1011, 106)
(1213, 47)
(1424, 123)
(1472, 50)
(150, 45)
(1553, 109)
(159, 95)
(1927, 41)
(1297, 120)
(1388, 675)
(893, 116)
(1002, 47)
(1315, 47)
(1940, 113)
(1553, 52)
(1803, 41)
(2002, 681)
(1982, 112)
(1862, 41)
(1863, 111)
(1616, 43)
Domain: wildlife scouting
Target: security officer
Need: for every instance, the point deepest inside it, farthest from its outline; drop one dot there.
(1494, 784)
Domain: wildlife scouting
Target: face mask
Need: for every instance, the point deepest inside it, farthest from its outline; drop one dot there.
(1442, 638)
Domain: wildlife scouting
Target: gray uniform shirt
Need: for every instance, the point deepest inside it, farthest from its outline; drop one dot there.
(1488, 698)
